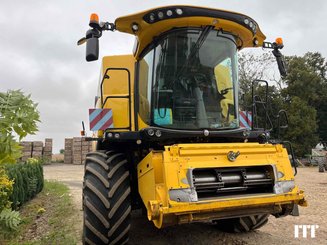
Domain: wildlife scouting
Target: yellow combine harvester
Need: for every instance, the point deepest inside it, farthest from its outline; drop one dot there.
(170, 138)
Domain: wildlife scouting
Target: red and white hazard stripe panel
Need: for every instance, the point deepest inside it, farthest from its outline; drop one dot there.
(245, 119)
(100, 119)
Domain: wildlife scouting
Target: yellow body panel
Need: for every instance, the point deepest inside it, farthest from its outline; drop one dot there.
(223, 79)
(162, 171)
(117, 85)
(147, 31)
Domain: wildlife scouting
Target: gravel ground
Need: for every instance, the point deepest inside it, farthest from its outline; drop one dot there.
(277, 231)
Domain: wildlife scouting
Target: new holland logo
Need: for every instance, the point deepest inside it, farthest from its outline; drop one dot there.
(231, 156)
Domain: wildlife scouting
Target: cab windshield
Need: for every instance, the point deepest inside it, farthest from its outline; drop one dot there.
(188, 81)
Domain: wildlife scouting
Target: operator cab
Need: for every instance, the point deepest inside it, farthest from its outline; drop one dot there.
(186, 72)
(188, 80)
(187, 67)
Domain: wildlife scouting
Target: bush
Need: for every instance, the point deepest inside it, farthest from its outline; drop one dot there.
(28, 181)
(9, 220)
(6, 189)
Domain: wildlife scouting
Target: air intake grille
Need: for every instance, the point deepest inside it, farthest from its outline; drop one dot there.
(215, 182)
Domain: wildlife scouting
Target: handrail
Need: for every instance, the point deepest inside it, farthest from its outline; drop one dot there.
(293, 163)
(103, 101)
(258, 81)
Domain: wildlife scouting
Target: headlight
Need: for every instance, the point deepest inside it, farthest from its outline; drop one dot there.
(284, 186)
(163, 14)
(179, 11)
(135, 27)
(160, 15)
(169, 12)
(152, 17)
(158, 133)
(150, 132)
(251, 24)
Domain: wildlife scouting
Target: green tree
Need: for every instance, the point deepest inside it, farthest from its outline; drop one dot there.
(319, 65)
(303, 94)
(307, 79)
(302, 81)
(302, 126)
(18, 118)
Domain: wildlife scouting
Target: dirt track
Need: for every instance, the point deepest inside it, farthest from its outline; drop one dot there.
(277, 231)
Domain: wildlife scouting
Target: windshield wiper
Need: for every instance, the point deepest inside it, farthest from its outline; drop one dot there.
(194, 50)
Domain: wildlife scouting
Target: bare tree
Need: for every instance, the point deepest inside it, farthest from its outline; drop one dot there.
(257, 66)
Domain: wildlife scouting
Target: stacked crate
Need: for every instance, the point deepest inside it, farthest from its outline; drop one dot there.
(86, 148)
(26, 149)
(37, 149)
(68, 155)
(47, 150)
(76, 150)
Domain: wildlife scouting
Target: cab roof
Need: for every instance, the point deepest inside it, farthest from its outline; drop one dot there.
(147, 25)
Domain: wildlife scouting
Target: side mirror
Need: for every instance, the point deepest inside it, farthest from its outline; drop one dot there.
(276, 46)
(280, 62)
(92, 36)
(92, 49)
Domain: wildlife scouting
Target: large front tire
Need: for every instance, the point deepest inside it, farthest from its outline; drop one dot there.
(242, 224)
(106, 198)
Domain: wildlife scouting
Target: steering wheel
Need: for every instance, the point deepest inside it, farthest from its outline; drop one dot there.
(225, 91)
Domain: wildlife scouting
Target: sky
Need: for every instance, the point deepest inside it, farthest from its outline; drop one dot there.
(39, 55)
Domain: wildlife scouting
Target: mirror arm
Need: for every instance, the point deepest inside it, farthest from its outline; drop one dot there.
(96, 31)
(278, 55)
(107, 26)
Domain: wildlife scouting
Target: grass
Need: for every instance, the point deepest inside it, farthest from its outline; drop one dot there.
(47, 219)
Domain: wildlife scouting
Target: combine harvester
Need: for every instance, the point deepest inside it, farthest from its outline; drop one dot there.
(168, 136)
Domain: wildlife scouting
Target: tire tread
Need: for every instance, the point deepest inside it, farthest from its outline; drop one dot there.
(106, 198)
(242, 224)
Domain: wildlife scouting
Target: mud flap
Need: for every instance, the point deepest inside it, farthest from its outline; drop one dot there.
(295, 211)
